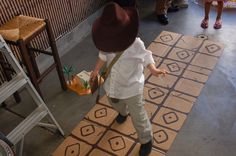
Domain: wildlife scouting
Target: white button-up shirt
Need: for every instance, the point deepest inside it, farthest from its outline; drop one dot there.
(126, 78)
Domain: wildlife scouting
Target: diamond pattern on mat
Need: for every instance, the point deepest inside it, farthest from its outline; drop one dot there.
(154, 94)
(163, 137)
(88, 131)
(72, 147)
(169, 118)
(168, 38)
(101, 114)
(115, 143)
(181, 55)
(211, 48)
(173, 67)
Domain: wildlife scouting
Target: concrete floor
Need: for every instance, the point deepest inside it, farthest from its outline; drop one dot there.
(210, 129)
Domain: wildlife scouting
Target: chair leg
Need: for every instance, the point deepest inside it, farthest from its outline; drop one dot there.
(28, 65)
(33, 61)
(55, 55)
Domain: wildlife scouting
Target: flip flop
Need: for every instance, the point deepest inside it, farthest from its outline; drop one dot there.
(204, 23)
(218, 24)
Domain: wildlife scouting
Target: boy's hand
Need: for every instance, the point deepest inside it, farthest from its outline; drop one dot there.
(157, 72)
(96, 70)
(93, 75)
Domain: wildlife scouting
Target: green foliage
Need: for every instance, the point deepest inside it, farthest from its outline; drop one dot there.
(68, 70)
(86, 84)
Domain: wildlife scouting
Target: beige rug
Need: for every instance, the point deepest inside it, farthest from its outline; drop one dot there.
(190, 61)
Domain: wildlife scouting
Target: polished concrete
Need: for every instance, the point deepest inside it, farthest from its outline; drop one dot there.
(210, 129)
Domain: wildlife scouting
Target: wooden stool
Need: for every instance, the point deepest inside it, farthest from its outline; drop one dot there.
(20, 31)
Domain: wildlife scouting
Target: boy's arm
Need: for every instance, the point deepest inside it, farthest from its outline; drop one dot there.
(97, 68)
(156, 72)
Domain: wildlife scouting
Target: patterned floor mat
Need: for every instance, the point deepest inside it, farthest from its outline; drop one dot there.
(190, 60)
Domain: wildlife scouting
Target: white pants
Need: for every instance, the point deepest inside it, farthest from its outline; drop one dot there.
(135, 107)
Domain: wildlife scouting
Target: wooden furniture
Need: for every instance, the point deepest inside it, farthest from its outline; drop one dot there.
(20, 31)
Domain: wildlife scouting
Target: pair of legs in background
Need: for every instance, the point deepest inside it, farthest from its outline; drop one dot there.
(134, 106)
(161, 10)
(167, 6)
(218, 22)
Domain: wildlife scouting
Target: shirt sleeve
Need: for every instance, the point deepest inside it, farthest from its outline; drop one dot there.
(148, 59)
(102, 56)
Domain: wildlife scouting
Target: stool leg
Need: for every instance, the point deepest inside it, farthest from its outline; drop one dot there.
(55, 54)
(28, 65)
(33, 61)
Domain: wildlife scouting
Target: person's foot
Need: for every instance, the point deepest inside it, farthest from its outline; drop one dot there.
(204, 23)
(218, 24)
(163, 19)
(173, 9)
(145, 149)
(120, 118)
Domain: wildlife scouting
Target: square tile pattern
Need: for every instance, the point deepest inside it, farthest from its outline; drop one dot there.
(190, 61)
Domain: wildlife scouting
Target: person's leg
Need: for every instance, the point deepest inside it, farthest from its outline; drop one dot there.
(219, 9)
(161, 10)
(121, 108)
(160, 7)
(204, 23)
(141, 123)
(173, 8)
(218, 23)
(207, 9)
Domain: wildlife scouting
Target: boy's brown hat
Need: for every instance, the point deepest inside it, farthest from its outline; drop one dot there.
(116, 29)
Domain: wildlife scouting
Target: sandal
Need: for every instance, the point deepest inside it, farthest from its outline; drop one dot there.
(204, 23)
(218, 24)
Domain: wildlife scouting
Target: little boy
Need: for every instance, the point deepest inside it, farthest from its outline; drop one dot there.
(114, 32)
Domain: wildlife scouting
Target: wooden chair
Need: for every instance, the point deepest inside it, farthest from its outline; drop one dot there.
(20, 31)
